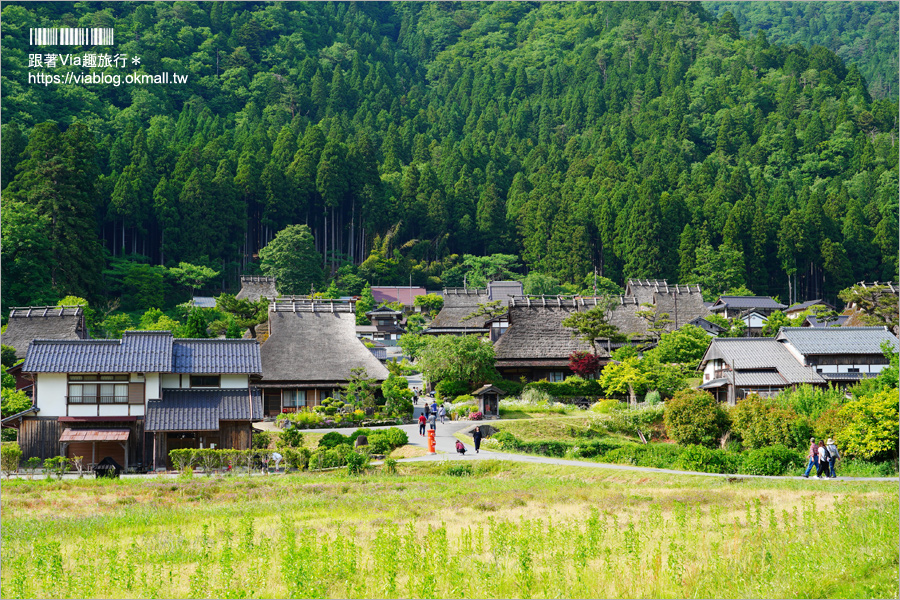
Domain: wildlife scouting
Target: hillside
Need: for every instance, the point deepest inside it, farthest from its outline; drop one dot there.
(643, 139)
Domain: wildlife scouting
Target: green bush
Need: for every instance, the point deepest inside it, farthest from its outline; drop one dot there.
(10, 455)
(606, 406)
(450, 389)
(856, 467)
(356, 462)
(571, 387)
(694, 417)
(702, 459)
(510, 387)
(390, 466)
(628, 421)
(457, 469)
(660, 456)
(652, 398)
(396, 437)
(872, 429)
(598, 448)
(465, 398)
(295, 458)
(761, 423)
(292, 437)
(773, 460)
(261, 439)
(332, 439)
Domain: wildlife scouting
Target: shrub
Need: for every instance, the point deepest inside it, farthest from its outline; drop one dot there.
(10, 455)
(652, 398)
(58, 465)
(606, 406)
(352, 437)
(584, 363)
(872, 429)
(694, 417)
(332, 439)
(811, 401)
(660, 456)
(261, 439)
(450, 389)
(356, 462)
(629, 421)
(465, 399)
(396, 437)
(184, 458)
(571, 387)
(292, 437)
(476, 416)
(773, 460)
(702, 459)
(390, 466)
(457, 469)
(830, 423)
(510, 387)
(762, 423)
(296, 458)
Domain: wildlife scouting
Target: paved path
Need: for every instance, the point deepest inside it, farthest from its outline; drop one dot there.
(445, 444)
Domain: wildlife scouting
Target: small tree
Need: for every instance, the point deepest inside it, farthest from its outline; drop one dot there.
(584, 364)
(32, 465)
(360, 390)
(622, 376)
(656, 320)
(192, 276)
(246, 313)
(488, 309)
(694, 417)
(10, 455)
(415, 323)
(413, 344)
(78, 463)
(594, 324)
(292, 259)
(430, 303)
(8, 356)
(366, 303)
(196, 325)
(686, 345)
(877, 302)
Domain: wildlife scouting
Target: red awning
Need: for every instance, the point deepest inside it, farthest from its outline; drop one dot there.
(94, 435)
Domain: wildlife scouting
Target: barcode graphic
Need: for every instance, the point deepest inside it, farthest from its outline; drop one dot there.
(71, 36)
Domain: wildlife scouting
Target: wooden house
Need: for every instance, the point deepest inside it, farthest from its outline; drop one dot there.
(132, 398)
(683, 303)
(734, 368)
(732, 307)
(711, 329)
(310, 353)
(488, 397)
(460, 303)
(839, 353)
(795, 309)
(386, 326)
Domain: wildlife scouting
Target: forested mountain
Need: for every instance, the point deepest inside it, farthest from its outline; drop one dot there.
(643, 139)
(860, 33)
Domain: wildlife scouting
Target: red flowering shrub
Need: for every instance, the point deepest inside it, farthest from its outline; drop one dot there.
(476, 416)
(584, 364)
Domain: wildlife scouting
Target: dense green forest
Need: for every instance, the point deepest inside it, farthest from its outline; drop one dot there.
(861, 33)
(641, 139)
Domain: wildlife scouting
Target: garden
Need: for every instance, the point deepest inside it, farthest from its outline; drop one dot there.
(447, 529)
(758, 436)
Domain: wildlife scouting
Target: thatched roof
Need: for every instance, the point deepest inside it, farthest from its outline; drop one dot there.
(459, 303)
(683, 303)
(315, 342)
(536, 333)
(43, 323)
(254, 288)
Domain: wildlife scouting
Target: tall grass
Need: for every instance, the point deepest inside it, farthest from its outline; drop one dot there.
(532, 532)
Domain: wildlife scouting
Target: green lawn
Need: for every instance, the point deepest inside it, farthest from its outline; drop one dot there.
(493, 530)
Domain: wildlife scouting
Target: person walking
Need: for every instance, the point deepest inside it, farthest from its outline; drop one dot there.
(415, 398)
(422, 421)
(434, 406)
(427, 409)
(476, 438)
(442, 413)
(813, 456)
(433, 420)
(834, 456)
(822, 467)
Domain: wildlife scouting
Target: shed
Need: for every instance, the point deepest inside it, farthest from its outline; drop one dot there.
(489, 400)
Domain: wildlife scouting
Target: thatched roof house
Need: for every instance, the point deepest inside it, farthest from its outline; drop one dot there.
(459, 303)
(683, 303)
(310, 354)
(254, 288)
(43, 323)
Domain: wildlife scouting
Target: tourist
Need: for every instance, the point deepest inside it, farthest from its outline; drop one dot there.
(822, 467)
(460, 448)
(427, 409)
(415, 398)
(433, 420)
(476, 438)
(813, 456)
(434, 406)
(835, 455)
(422, 421)
(442, 413)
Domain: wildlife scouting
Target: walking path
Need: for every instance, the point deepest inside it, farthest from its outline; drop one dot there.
(445, 444)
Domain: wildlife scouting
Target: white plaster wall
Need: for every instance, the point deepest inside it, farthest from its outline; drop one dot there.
(152, 387)
(235, 381)
(119, 410)
(709, 372)
(82, 410)
(169, 381)
(796, 353)
(52, 389)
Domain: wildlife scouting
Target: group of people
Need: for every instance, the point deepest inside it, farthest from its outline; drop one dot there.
(430, 416)
(823, 457)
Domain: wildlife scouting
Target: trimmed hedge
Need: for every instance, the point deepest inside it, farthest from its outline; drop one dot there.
(568, 389)
(773, 460)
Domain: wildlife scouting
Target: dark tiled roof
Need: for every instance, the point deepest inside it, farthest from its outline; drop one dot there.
(743, 302)
(760, 354)
(837, 340)
(502, 290)
(801, 306)
(815, 322)
(137, 351)
(43, 323)
(201, 410)
(216, 356)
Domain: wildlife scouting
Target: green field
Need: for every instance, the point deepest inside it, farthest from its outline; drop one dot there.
(456, 529)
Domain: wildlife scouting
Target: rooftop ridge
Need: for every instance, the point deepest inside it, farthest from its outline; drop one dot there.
(466, 291)
(257, 278)
(82, 341)
(229, 340)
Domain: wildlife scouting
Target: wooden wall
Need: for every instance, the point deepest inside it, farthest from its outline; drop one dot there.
(234, 434)
(39, 436)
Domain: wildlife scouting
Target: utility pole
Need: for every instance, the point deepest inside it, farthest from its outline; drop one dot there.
(595, 280)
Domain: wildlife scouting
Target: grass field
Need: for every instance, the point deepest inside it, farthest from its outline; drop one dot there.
(485, 529)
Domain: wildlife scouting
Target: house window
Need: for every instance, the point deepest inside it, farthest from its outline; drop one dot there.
(205, 381)
(556, 376)
(853, 370)
(295, 398)
(98, 389)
